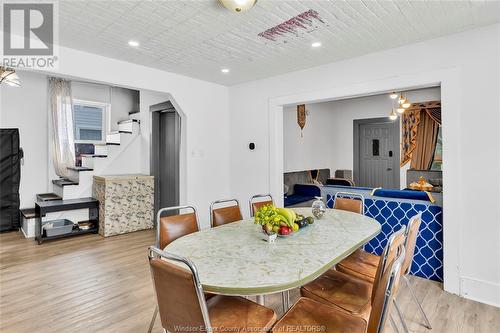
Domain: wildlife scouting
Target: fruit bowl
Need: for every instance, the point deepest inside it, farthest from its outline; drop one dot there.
(281, 221)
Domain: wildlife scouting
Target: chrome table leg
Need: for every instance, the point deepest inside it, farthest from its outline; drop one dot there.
(261, 299)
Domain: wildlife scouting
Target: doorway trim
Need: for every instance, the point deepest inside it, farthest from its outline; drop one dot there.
(449, 81)
(395, 142)
(156, 110)
(183, 143)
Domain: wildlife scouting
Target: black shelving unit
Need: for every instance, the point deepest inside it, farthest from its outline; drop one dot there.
(44, 207)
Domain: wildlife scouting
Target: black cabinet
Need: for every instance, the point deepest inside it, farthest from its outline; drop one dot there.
(10, 175)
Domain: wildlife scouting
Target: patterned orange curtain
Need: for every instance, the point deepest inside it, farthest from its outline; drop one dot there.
(409, 128)
(427, 135)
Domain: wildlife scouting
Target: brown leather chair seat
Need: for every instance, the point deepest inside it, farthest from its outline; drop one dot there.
(225, 215)
(308, 315)
(360, 264)
(350, 205)
(344, 292)
(239, 314)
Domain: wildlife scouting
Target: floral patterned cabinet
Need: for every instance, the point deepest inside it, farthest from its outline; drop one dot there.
(126, 203)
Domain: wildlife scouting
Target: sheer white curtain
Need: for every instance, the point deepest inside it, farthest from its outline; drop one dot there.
(61, 111)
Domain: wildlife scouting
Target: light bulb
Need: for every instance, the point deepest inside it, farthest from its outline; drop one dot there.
(393, 95)
(393, 115)
(400, 110)
(406, 104)
(238, 6)
(401, 99)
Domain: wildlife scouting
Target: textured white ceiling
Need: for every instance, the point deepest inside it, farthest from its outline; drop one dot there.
(198, 38)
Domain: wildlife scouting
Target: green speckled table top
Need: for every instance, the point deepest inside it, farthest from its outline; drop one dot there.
(234, 259)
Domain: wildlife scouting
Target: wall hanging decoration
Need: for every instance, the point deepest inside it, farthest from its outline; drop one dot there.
(301, 118)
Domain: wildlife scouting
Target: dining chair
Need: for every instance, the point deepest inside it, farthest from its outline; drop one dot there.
(171, 227)
(314, 315)
(363, 265)
(255, 205)
(349, 294)
(226, 214)
(352, 202)
(183, 307)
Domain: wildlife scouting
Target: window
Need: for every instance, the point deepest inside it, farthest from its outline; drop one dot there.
(89, 121)
(437, 163)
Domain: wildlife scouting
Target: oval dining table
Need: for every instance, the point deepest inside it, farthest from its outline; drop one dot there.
(234, 259)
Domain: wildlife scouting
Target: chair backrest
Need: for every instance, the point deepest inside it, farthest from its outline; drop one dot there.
(181, 303)
(255, 205)
(392, 250)
(384, 293)
(352, 202)
(340, 181)
(411, 241)
(169, 228)
(223, 215)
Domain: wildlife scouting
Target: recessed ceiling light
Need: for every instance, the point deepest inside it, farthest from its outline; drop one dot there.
(316, 44)
(133, 43)
(225, 70)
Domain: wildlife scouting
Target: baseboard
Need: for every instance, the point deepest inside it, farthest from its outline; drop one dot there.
(480, 291)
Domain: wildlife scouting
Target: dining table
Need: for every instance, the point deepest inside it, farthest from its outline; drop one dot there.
(236, 259)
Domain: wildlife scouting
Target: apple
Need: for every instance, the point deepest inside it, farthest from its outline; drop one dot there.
(285, 230)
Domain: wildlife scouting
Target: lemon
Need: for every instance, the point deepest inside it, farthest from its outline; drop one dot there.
(295, 227)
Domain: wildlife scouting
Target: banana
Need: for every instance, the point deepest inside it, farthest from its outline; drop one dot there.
(288, 217)
(293, 214)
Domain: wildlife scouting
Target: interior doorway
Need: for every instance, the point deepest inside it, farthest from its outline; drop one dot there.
(165, 154)
(376, 153)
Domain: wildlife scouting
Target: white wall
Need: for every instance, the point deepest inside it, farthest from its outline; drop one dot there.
(204, 104)
(26, 108)
(470, 131)
(328, 134)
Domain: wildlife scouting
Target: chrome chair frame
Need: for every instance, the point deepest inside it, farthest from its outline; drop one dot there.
(404, 276)
(157, 242)
(396, 270)
(385, 253)
(219, 202)
(157, 253)
(255, 197)
(169, 209)
(350, 195)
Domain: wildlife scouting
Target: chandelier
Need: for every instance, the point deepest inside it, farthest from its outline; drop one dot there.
(9, 77)
(402, 104)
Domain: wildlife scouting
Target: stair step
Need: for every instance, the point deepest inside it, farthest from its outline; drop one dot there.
(28, 213)
(80, 168)
(128, 121)
(63, 182)
(94, 155)
(133, 112)
(47, 197)
(112, 143)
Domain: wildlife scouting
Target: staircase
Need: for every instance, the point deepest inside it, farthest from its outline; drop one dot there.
(79, 182)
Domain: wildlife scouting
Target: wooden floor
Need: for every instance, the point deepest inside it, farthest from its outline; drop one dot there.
(95, 284)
